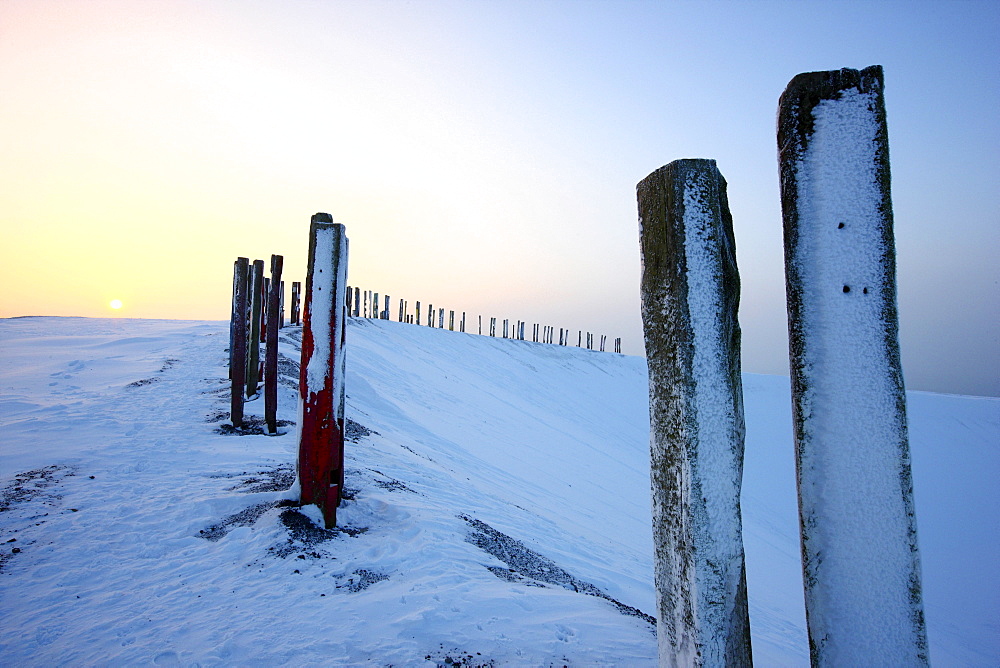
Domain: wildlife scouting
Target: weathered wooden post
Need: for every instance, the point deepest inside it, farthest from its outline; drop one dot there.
(441, 318)
(451, 321)
(375, 304)
(417, 313)
(232, 316)
(505, 328)
(321, 372)
(480, 325)
(430, 315)
(281, 306)
(493, 326)
(690, 298)
(462, 329)
(253, 345)
(271, 349)
(238, 366)
(860, 562)
(296, 290)
(349, 300)
(265, 291)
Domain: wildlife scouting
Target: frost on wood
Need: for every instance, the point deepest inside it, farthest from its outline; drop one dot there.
(859, 546)
(690, 297)
(321, 381)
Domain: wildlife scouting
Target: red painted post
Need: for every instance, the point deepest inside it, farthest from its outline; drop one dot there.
(321, 373)
(238, 370)
(271, 349)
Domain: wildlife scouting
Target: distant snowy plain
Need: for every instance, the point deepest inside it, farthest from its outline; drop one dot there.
(498, 509)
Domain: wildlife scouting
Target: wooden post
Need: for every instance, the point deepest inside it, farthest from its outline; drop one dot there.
(375, 305)
(232, 317)
(690, 297)
(321, 372)
(238, 367)
(451, 321)
(357, 301)
(265, 291)
(417, 314)
(401, 303)
(385, 311)
(430, 315)
(281, 306)
(462, 329)
(253, 345)
(271, 349)
(860, 561)
(493, 326)
(349, 300)
(441, 318)
(296, 292)
(480, 325)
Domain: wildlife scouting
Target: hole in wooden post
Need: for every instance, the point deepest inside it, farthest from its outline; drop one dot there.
(847, 288)
(840, 226)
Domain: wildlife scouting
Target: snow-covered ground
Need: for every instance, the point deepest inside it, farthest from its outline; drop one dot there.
(498, 513)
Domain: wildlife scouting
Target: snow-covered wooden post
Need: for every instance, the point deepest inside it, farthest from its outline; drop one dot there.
(256, 291)
(238, 367)
(321, 372)
(690, 297)
(271, 348)
(860, 561)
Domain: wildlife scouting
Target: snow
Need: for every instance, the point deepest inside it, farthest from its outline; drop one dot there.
(175, 552)
(854, 464)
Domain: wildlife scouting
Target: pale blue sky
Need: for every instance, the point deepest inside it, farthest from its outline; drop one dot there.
(483, 155)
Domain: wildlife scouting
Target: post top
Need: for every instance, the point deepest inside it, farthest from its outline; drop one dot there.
(322, 218)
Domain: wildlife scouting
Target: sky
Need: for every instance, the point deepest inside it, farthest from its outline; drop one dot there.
(482, 155)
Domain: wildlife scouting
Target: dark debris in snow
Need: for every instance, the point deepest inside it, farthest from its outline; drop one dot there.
(527, 566)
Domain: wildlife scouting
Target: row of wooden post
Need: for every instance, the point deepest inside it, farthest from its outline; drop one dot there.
(257, 314)
(366, 304)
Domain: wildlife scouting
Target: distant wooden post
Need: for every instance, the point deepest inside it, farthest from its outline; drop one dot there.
(463, 322)
(271, 349)
(505, 328)
(296, 292)
(430, 315)
(281, 307)
(451, 321)
(480, 325)
(493, 326)
(321, 372)
(375, 305)
(416, 314)
(238, 367)
(265, 291)
(253, 345)
(690, 297)
(860, 561)
(350, 300)
(441, 318)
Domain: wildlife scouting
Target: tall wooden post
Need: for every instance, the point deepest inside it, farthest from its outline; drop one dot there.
(441, 318)
(321, 372)
(271, 349)
(462, 329)
(430, 315)
(860, 561)
(238, 368)
(690, 298)
(256, 309)
(232, 317)
(357, 301)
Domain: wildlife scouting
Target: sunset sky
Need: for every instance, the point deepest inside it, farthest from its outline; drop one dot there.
(483, 155)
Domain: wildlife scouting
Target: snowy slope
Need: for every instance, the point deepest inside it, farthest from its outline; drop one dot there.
(500, 511)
